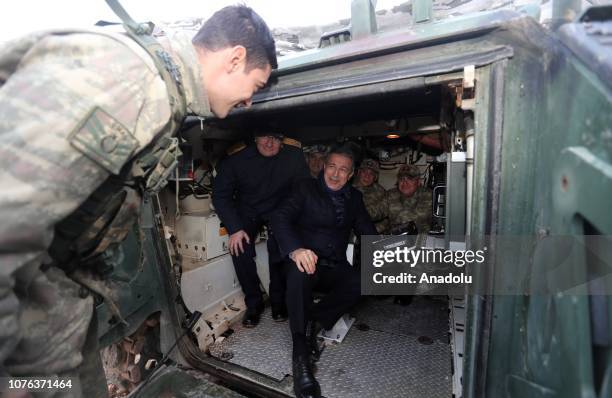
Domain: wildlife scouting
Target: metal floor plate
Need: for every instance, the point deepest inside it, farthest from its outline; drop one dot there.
(425, 316)
(378, 364)
(266, 349)
(386, 360)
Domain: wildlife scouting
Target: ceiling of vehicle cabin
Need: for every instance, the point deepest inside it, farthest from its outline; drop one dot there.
(423, 101)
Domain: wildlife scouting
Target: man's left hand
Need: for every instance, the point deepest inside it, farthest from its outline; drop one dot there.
(305, 260)
(236, 246)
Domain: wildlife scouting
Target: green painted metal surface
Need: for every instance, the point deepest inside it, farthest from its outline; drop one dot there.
(137, 283)
(554, 179)
(422, 10)
(173, 382)
(363, 19)
(414, 36)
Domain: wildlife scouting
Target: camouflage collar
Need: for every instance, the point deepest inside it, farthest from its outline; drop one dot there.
(375, 187)
(184, 55)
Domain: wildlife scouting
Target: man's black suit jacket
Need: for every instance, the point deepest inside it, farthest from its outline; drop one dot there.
(307, 219)
(250, 186)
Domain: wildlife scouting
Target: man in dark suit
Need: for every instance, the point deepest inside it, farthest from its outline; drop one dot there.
(249, 186)
(312, 227)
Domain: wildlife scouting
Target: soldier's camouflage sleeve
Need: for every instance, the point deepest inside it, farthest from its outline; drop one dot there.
(423, 210)
(395, 208)
(73, 109)
(384, 225)
(376, 204)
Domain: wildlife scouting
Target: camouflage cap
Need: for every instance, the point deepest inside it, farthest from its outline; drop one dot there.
(370, 164)
(316, 149)
(408, 171)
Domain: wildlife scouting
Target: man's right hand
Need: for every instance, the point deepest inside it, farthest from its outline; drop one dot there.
(236, 247)
(305, 260)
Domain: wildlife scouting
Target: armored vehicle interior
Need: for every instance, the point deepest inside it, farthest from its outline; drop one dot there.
(393, 348)
(475, 102)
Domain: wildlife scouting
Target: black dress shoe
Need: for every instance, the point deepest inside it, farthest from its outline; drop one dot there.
(251, 317)
(312, 330)
(304, 383)
(279, 313)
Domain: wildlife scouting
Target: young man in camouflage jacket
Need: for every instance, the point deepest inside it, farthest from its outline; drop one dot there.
(77, 109)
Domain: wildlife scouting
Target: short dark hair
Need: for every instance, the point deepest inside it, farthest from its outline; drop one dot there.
(239, 25)
(347, 149)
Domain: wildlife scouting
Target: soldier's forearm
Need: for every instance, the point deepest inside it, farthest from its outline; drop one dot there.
(375, 213)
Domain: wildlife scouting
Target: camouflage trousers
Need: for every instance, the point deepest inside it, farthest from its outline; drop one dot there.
(57, 333)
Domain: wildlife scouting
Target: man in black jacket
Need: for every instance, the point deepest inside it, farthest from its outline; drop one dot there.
(249, 186)
(312, 227)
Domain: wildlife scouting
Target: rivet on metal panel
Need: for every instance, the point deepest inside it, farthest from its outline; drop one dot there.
(564, 183)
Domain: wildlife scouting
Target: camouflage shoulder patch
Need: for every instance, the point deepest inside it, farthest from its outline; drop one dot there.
(101, 137)
(237, 147)
(292, 142)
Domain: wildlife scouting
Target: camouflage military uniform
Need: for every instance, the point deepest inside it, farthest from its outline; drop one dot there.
(375, 200)
(315, 158)
(403, 210)
(75, 108)
(374, 195)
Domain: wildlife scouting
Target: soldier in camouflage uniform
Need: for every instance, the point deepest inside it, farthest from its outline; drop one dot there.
(315, 159)
(374, 195)
(86, 124)
(409, 202)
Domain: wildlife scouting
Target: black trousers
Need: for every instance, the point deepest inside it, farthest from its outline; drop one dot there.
(342, 283)
(246, 270)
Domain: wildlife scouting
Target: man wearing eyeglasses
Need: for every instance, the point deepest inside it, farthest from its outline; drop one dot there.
(249, 186)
